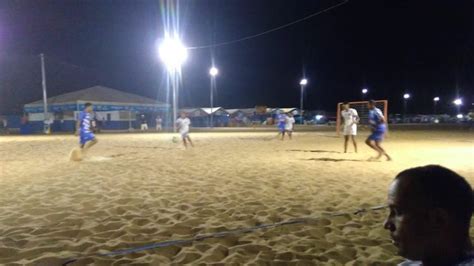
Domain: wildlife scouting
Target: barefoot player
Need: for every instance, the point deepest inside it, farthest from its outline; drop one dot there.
(183, 124)
(350, 119)
(84, 130)
(379, 127)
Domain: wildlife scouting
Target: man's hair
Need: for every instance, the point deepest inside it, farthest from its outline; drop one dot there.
(439, 187)
(372, 102)
(87, 105)
(344, 103)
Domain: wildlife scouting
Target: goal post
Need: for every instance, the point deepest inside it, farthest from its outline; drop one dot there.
(362, 110)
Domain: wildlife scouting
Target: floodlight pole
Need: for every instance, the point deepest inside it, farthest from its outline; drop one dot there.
(174, 84)
(45, 96)
(301, 103)
(213, 84)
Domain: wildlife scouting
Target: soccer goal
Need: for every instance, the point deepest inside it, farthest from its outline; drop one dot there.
(363, 112)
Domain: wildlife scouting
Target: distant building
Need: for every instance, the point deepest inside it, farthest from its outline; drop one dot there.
(113, 109)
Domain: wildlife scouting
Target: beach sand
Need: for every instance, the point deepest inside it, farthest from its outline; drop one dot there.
(137, 189)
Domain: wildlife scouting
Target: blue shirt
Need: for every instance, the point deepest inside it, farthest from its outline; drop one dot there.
(376, 119)
(85, 119)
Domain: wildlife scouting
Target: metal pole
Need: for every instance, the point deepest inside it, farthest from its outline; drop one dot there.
(175, 102)
(45, 95)
(129, 120)
(404, 110)
(213, 81)
(301, 104)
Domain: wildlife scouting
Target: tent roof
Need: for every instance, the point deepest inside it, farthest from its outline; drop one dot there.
(212, 110)
(99, 94)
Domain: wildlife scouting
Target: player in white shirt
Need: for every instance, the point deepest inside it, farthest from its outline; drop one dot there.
(159, 121)
(289, 122)
(183, 124)
(350, 119)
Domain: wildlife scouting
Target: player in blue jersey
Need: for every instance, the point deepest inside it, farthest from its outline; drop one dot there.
(87, 138)
(379, 127)
(281, 123)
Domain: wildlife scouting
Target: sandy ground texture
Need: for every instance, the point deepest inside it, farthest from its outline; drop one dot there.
(138, 189)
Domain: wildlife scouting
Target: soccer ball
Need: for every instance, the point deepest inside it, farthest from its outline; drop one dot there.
(175, 139)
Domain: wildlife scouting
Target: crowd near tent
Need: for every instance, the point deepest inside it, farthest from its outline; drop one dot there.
(113, 109)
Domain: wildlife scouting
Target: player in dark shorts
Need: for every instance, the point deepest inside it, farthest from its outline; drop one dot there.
(379, 127)
(87, 138)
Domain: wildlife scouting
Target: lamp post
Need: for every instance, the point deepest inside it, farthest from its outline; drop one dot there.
(458, 103)
(173, 53)
(46, 124)
(435, 103)
(406, 96)
(364, 93)
(213, 72)
(303, 83)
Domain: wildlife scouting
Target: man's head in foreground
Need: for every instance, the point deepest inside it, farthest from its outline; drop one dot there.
(430, 214)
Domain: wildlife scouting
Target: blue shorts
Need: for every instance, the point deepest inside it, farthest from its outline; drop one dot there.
(85, 137)
(281, 127)
(378, 133)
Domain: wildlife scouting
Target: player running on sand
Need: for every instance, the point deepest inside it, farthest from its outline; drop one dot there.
(87, 138)
(289, 122)
(379, 127)
(350, 119)
(183, 124)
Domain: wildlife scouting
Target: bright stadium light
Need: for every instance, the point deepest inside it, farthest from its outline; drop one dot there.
(213, 71)
(459, 116)
(173, 53)
(406, 96)
(458, 102)
(365, 91)
(303, 83)
(436, 99)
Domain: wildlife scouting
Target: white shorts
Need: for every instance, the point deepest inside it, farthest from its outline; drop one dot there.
(184, 134)
(350, 130)
(144, 127)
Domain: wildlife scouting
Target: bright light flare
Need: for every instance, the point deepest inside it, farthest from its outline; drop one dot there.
(436, 99)
(213, 71)
(458, 101)
(364, 91)
(406, 96)
(303, 82)
(173, 53)
(459, 116)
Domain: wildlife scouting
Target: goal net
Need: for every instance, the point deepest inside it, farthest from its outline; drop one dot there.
(363, 112)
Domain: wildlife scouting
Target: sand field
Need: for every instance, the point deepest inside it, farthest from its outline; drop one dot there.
(137, 189)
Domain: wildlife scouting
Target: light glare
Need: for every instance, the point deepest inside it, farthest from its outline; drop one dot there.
(459, 116)
(406, 96)
(173, 53)
(303, 82)
(458, 102)
(364, 91)
(213, 71)
(436, 99)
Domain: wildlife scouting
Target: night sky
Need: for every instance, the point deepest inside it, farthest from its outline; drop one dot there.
(391, 47)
